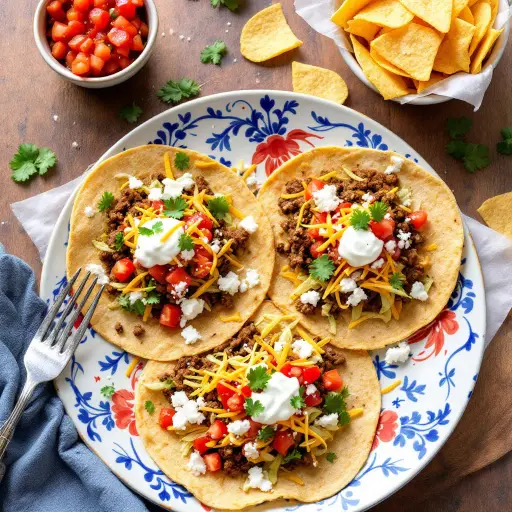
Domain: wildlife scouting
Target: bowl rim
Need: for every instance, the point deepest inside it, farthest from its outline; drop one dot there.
(39, 29)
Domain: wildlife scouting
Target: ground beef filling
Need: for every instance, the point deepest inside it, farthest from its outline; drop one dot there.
(297, 243)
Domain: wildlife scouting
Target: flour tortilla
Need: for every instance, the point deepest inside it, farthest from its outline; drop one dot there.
(444, 229)
(161, 343)
(217, 490)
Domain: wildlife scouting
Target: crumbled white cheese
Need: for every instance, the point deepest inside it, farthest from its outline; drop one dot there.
(387, 216)
(99, 271)
(174, 188)
(190, 308)
(179, 289)
(239, 427)
(367, 197)
(134, 183)
(251, 180)
(278, 346)
(252, 279)
(347, 284)
(326, 199)
(390, 246)
(196, 464)
(398, 354)
(187, 411)
(356, 275)
(310, 389)
(418, 291)
(179, 399)
(328, 421)
(89, 211)
(403, 239)
(302, 348)
(356, 297)
(258, 479)
(311, 297)
(230, 283)
(215, 245)
(316, 358)
(377, 263)
(408, 220)
(248, 224)
(396, 165)
(250, 450)
(190, 335)
(155, 194)
(322, 232)
(187, 254)
(133, 297)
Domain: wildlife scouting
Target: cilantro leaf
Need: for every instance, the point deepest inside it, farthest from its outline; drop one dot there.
(45, 160)
(322, 268)
(152, 298)
(378, 210)
(213, 54)
(360, 219)
(458, 127)
(258, 378)
(253, 408)
(185, 242)
(397, 281)
(106, 201)
(119, 241)
(266, 433)
(24, 172)
(293, 455)
(457, 149)
(175, 207)
(297, 402)
(219, 206)
(145, 231)
(335, 403)
(137, 307)
(149, 406)
(331, 456)
(174, 92)
(232, 5)
(158, 227)
(505, 146)
(181, 161)
(30, 160)
(107, 391)
(476, 157)
(130, 113)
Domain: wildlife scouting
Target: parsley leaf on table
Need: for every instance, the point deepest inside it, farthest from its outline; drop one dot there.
(266, 433)
(331, 456)
(378, 210)
(505, 146)
(335, 403)
(322, 268)
(106, 201)
(181, 161)
(458, 127)
(232, 5)
(253, 408)
(476, 157)
(293, 455)
(397, 281)
(118, 241)
(258, 378)
(149, 406)
(457, 149)
(30, 160)
(174, 92)
(219, 206)
(360, 219)
(130, 113)
(107, 391)
(213, 54)
(175, 207)
(185, 242)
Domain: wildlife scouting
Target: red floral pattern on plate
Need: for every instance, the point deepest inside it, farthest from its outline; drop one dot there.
(123, 402)
(386, 429)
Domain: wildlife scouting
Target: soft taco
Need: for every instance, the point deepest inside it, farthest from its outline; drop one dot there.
(368, 244)
(182, 243)
(274, 413)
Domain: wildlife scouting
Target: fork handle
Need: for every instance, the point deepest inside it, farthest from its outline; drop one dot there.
(7, 429)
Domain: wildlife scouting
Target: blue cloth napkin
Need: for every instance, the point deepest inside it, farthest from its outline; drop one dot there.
(48, 468)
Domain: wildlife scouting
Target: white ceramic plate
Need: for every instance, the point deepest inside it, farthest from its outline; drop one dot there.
(436, 383)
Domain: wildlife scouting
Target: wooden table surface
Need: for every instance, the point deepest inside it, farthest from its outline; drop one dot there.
(31, 94)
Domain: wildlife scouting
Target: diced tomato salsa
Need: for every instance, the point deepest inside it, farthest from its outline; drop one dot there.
(96, 37)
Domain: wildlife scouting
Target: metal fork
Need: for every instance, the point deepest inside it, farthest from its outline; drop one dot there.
(50, 350)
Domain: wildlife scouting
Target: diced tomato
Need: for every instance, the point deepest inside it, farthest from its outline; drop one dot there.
(82, 5)
(144, 30)
(314, 249)
(213, 462)
(202, 263)
(253, 429)
(87, 46)
(124, 268)
(224, 390)
(332, 380)
(124, 62)
(70, 57)
(112, 66)
(333, 254)
(118, 37)
(75, 28)
(217, 430)
(59, 50)
(157, 204)
(283, 441)
(123, 51)
(97, 64)
(342, 206)
(123, 24)
(103, 52)
(313, 399)
(137, 44)
(170, 315)
(178, 275)
(138, 3)
(418, 218)
(99, 18)
(81, 66)
(246, 391)
(207, 233)
(292, 371)
(200, 444)
(100, 37)
(76, 42)
(165, 417)
(397, 251)
(59, 31)
(320, 217)
(205, 221)
(235, 403)
(102, 4)
(126, 8)
(136, 22)
(73, 15)
(55, 10)
(313, 186)
(310, 374)
(92, 32)
(158, 273)
(383, 229)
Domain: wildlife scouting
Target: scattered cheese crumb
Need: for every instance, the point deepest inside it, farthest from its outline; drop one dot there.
(89, 211)
(258, 479)
(377, 263)
(326, 198)
(134, 183)
(302, 348)
(396, 165)
(99, 271)
(155, 194)
(248, 224)
(328, 421)
(239, 427)
(404, 241)
(278, 346)
(215, 245)
(390, 246)
(347, 284)
(196, 464)
(418, 291)
(356, 297)
(398, 354)
(310, 389)
(190, 335)
(190, 308)
(187, 254)
(250, 450)
(187, 411)
(230, 283)
(252, 279)
(133, 297)
(312, 297)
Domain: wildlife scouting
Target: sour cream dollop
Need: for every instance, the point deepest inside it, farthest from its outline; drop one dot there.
(359, 247)
(275, 399)
(151, 251)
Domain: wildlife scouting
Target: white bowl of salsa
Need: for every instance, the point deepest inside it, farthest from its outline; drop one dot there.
(83, 45)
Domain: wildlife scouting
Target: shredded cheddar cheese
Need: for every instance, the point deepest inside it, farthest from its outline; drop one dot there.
(167, 166)
(131, 366)
(233, 318)
(391, 387)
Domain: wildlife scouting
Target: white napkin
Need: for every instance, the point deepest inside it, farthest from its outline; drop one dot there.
(38, 215)
(461, 86)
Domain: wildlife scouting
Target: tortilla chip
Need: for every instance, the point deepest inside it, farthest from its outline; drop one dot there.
(412, 48)
(319, 82)
(434, 78)
(467, 15)
(382, 62)
(362, 28)
(482, 14)
(388, 84)
(458, 6)
(483, 50)
(347, 10)
(494, 10)
(472, 2)
(453, 53)
(497, 213)
(386, 13)
(437, 13)
(267, 35)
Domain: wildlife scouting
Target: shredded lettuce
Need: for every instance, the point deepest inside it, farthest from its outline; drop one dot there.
(309, 284)
(326, 308)
(313, 413)
(193, 435)
(273, 468)
(160, 385)
(405, 196)
(356, 312)
(101, 246)
(386, 305)
(332, 324)
(186, 448)
(427, 283)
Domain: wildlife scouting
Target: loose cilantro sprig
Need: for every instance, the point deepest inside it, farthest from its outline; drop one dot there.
(360, 219)
(155, 229)
(457, 149)
(174, 92)
(330, 457)
(266, 433)
(505, 146)
(378, 210)
(322, 268)
(149, 406)
(218, 206)
(106, 201)
(185, 242)
(253, 408)
(336, 403)
(152, 298)
(232, 5)
(476, 157)
(297, 401)
(258, 378)
(181, 161)
(107, 391)
(458, 127)
(130, 113)
(175, 207)
(118, 241)
(136, 307)
(397, 281)
(31, 160)
(213, 54)
(293, 455)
